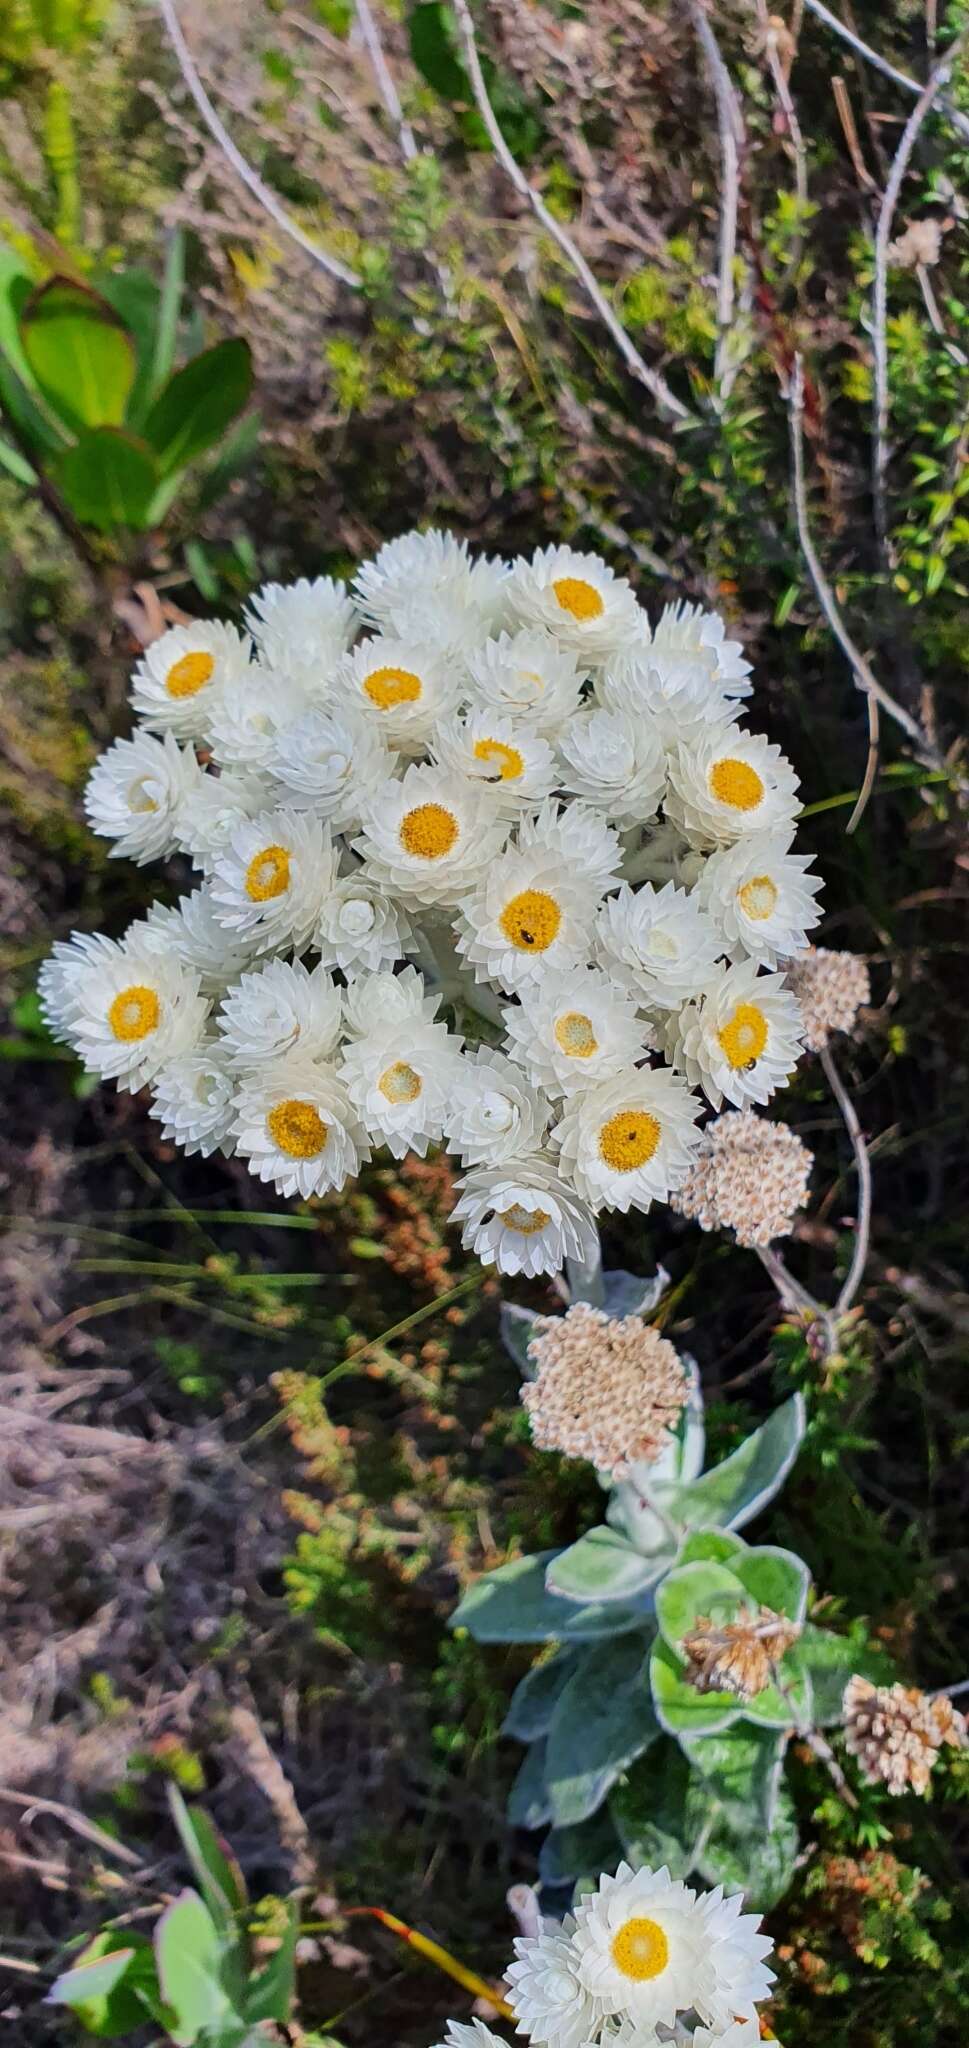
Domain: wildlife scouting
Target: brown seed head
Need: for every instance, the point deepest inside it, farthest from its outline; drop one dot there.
(738, 1656)
(896, 1732)
(831, 989)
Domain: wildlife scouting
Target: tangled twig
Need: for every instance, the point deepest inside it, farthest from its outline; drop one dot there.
(848, 35)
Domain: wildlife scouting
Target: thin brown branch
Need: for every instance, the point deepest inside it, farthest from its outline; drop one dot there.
(871, 768)
(77, 1821)
(859, 1257)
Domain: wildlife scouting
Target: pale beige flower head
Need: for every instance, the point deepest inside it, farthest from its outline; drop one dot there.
(607, 1389)
(831, 989)
(896, 1732)
(750, 1176)
(738, 1656)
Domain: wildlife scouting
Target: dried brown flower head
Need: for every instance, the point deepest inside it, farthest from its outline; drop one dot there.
(750, 1176)
(896, 1732)
(738, 1656)
(831, 989)
(607, 1389)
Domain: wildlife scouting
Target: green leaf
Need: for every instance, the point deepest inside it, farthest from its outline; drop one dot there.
(761, 1866)
(136, 298)
(188, 1954)
(16, 464)
(271, 1992)
(511, 1605)
(536, 1697)
(690, 1591)
(573, 1855)
(432, 46)
(81, 355)
(198, 404)
(109, 479)
(830, 1660)
(216, 1871)
(602, 1565)
(742, 1770)
(716, 1545)
(627, 1294)
(112, 1987)
(603, 1722)
(170, 302)
(661, 1808)
(735, 1491)
(680, 1709)
(20, 395)
(236, 452)
(529, 1805)
(775, 1578)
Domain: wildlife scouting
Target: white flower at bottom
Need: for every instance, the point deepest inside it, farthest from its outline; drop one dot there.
(296, 1127)
(631, 1140)
(271, 882)
(134, 793)
(193, 933)
(741, 1039)
(193, 1100)
(494, 1114)
(181, 676)
(126, 1009)
(361, 930)
(469, 2034)
(649, 1948)
(529, 914)
(376, 998)
(547, 1996)
(660, 944)
(571, 1029)
(305, 622)
(523, 1218)
(278, 1009)
(743, 2033)
(579, 837)
(63, 976)
(761, 896)
(528, 677)
(398, 1075)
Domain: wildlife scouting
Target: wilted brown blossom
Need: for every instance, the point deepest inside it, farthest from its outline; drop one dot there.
(750, 1176)
(896, 1732)
(738, 1656)
(607, 1389)
(831, 989)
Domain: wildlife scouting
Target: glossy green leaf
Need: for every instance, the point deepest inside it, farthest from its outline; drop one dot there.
(830, 1661)
(112, 1987)
(680, 1709)
(16, 465)
(198, 403)
(529, 1805)
(660, 1808)
(602, 1565)
(760, 1865)
(511, 1605)
(603, 1721)
(537, 1695)
(741, 1769)
(109, 479)
(430, 30)
(188, 1954)
(135, 297)
(690, 1592)
(80, 353)
(737, 1489)
(775, 1578)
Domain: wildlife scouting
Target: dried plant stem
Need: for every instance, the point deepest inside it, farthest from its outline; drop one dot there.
(848, 35)
(654, 382)
(730, 124)
(863, 1168)
(243, 170)
(384, 78)
(766, 22)
(72, 1819)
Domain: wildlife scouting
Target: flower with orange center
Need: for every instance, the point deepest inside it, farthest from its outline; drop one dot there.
(400, 687)
(398, 1073)
(523, 1217)
(270, 882)
(761, 896)
(138, 790)
(572, 1029)
(296, 1126)
(425, 835)
(648, 1948)
(180, 678)
(528, 916)
(630, 1139)
(125, 1008)
(513, 760)
(579, 599)
(740, 1038)
(726, 783)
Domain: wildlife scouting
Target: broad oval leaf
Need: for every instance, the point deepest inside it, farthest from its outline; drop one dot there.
(511, 1605)
(529, 1805)
(109, 479)
(198, 404)
(718, 1546)
(775, 1578)
(742, 1770)
(661, 1810)
(569, 1855)
(737, 1489)
(603, 1722)
(680, 1709)
(602, 1565)
(188, 1954)
(689, 1591)
(760, 1865)
(80, 353)
(537, 1695)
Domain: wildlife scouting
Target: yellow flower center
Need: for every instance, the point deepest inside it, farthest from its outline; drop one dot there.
(189, 675)
(267, 874)
(736, 784)
(531, 920)
(629, 1139)
(744, 1038)
(579, 598)
(575, 1035)
(386, 687)
(758, 897)
(134, 1012)
(400, 1083)
(297, 1129)
(507, 761)
(139, 800)
(528, 1222)
(640, 1950)
(429, 832)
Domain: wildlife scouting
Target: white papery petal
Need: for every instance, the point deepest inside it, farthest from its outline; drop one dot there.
(135, 793)
(181, 677)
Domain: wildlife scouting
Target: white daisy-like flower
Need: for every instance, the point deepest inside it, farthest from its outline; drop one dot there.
(631, 1140)
(403, 687)
(310, 623)
(134, 793)
(681, 669)
(529, 914)
(493, 1112)
(761, 896)
(551, 2004)
(677, 701)
(296, 1127)
(329, 761)
(649, 1948)
(512, 758)
(660, 944)
(271, 882)
(64, 972)
(665, 856)
(360, 930)
(370, 998)
(523, 1217)
(216, 804)
(125, 1008)
(469, 2034)
(191, 930)
(615, 762)
(570, 1030)
(193, 1099)
(398, 1075)
(250, 713)
(578, 598)
(742, 2033)
(427, 836)
(182, 675)
(426, 584)
(687, 632)
(526, 676)
(741, 1039)
(278, 1009)
(727, 783)
(579, 837)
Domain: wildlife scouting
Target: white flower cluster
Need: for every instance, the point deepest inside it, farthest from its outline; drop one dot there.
(506, 777)
(643, 1960)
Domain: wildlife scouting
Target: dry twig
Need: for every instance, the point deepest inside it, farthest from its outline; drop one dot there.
(848, 35)
(859, 1255)
(730, 123)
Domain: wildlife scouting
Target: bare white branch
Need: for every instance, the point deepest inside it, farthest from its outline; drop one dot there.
(953, 114)
(730, 123)
(859, 1257)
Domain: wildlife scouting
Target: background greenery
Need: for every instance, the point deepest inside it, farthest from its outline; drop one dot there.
(251, 1454)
